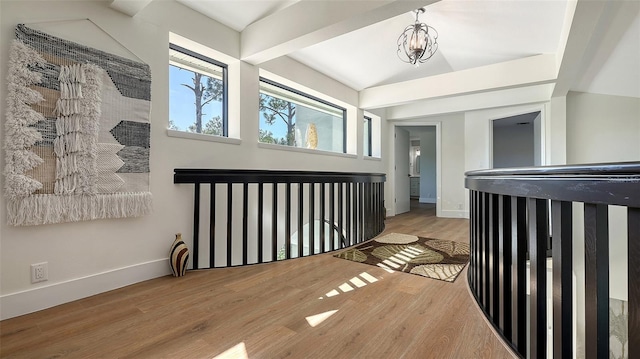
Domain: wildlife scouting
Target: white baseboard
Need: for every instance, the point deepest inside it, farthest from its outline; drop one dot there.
(427, 200)
(449, 213)
(32, 300)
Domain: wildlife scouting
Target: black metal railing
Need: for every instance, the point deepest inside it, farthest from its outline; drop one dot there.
(516, 214)
(258, 216)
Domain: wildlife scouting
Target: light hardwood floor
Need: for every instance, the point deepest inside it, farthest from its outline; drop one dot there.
(262, 310)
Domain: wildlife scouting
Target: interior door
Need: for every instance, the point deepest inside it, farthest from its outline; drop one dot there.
(402, 170)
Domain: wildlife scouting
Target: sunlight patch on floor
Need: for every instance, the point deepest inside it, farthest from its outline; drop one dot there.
(357, 281)
(237, 352)
(385, 267)
(314, 320)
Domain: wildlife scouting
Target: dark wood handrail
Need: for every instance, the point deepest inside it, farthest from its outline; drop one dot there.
(352, 204)
(195, 175)
(611, 184)
(520, 215)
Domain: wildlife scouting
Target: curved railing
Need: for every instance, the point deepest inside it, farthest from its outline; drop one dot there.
(526, 217)
(245, 217)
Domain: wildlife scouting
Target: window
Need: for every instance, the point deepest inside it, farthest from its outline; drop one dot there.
(197, 93)
(291, 118)
(367, 136)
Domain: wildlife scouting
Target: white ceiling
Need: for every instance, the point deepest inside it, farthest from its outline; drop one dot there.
(472, 33)
(237, 14)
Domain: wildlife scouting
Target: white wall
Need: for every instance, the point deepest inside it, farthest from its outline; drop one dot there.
(454, 196)
(91, 257)
(428, 191)
(602, 128)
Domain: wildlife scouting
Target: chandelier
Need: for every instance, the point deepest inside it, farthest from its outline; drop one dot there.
(418, 42)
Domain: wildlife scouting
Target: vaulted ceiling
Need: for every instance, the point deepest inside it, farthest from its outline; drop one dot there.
(542, 48)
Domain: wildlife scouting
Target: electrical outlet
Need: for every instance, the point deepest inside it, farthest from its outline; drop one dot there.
(39, 272)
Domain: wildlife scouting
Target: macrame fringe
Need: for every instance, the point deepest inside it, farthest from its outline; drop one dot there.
(72, 73)
(47, 209)
(66, 124)
(20, 161)
(76, 127)
(70, 90)
(19, 137)
(66, 166)
(91, 100)
(67, 107)
(21, 57)
(18, 186)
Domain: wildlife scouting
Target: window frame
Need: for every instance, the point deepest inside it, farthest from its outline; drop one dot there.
(225, 83)
(313, 98)
(368, 122)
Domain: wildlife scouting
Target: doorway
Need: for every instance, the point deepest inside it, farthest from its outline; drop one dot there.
(516, 141)
(416, 167)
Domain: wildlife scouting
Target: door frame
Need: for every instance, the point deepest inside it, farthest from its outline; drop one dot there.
(391, 169)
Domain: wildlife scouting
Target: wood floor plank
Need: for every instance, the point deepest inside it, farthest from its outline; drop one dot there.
(316, 307)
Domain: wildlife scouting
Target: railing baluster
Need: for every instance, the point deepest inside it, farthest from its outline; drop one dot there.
(356, 208)
(340, 214)
(322, 216)
(504, 264)
(378, 210)
(245, 218)
(300, 220)
(332, 208)
(361, 211)
(488, 262)
(347, 214)
(596, 240)
(196, 224)
(518, 274)
(260, 220)
(493, 255)
(375, 207)
(212, 225)
(354, 213)
(481, 248)
(287, 229)
(562, 254)
(274, 222)
(472, 241)
(367, 215)
(538, 230)
(633, 255)
(312, 207)
(229, 222)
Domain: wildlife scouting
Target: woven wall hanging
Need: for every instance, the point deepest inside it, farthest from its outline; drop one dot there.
(77, 132)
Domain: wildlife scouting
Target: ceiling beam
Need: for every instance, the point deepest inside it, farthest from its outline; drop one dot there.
(471, 102)
(528, 71)
(309, 22)
(129, 7)
(581, 23)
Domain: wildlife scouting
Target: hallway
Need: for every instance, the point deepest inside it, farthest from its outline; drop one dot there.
(288, 309)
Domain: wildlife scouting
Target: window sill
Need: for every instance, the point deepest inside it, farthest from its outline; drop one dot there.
(370, 158)
(304, 150)
(201, 137)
